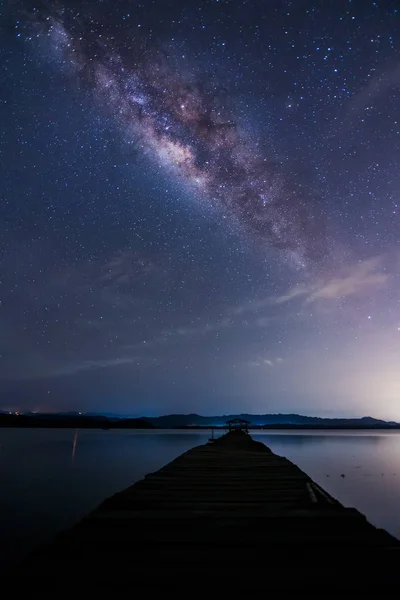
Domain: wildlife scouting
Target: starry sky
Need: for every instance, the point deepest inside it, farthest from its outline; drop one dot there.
(200, 207)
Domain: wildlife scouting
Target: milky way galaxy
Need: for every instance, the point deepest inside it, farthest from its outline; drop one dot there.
(184, 119)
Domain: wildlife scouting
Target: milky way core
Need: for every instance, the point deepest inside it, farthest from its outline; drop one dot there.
(185, 121)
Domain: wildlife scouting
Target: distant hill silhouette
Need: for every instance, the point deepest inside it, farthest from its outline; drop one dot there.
(269, 420)
(181, 421)
(74, 420)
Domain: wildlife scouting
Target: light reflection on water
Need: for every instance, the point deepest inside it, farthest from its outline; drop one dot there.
(74, 444)
(51, 478)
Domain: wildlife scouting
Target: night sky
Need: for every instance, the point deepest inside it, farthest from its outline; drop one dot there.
(200, 207)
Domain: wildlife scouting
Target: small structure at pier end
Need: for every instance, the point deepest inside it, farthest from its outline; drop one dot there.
(237, 425)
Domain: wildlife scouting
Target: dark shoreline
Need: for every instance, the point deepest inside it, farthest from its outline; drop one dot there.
(66, 422)
(69, 425)
(295, 426)
(84, 421)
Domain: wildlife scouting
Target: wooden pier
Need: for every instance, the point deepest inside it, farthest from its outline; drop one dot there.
(229, 515)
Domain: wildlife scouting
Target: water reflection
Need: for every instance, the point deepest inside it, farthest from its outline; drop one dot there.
(74, 443)
(316, 439)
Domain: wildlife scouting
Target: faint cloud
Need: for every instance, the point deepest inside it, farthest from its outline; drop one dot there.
(88, 365)
(201, 329)
(358, 278)
(262, 362)
(251, 306)
(378, 86)
(263, 322)
(114, 278)
(126, 267)
(299, 290)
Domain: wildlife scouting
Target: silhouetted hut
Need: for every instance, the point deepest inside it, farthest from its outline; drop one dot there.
(238, 425)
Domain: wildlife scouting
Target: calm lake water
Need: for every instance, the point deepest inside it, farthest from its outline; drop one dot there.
(51, 478)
